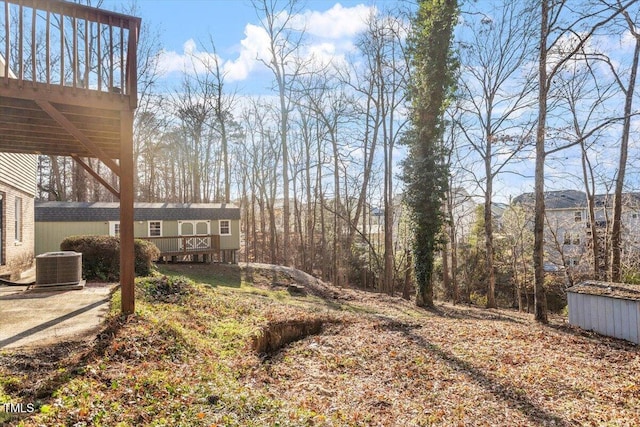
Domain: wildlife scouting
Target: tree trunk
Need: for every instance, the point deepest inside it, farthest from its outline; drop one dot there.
(540, 296)
(616, 236)
(407, 276)
(488, 233)
(454, 249)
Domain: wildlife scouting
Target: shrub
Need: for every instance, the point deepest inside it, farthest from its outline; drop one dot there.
(145, 253)
(478, 299)
(164, 289)
(101, 256)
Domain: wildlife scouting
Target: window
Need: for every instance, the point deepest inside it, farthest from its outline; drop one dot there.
(225, 227)
(18, 220)
(114, 228)
(155, 228)
(577, 216)
(572, 238)
(572, 262)
(634, 215)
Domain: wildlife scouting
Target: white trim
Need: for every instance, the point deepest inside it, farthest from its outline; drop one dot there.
(194, 224)
(149, 227)
(228, 221)
(112, 228)
(18, 218)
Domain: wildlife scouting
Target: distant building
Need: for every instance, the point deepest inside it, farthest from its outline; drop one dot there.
(568, 236)
(178, 229)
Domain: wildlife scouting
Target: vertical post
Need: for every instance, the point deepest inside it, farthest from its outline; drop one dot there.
(127, 272)
(33, 46)
(7, 42)
(48, 47)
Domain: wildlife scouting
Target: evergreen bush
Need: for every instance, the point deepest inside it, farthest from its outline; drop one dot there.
(101, 256)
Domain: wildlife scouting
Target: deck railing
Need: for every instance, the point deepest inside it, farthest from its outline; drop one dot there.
(64, 44)
(185, 245)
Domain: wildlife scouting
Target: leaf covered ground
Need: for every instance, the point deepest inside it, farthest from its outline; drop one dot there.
(191, 357)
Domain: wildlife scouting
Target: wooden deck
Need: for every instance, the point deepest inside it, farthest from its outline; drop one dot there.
(68, 86)
(186, 245)
(68, 71)
(174, 248)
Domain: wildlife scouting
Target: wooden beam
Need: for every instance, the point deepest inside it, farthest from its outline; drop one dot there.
(60, 94)
(127, 254)
(94, 174)
(81, 137)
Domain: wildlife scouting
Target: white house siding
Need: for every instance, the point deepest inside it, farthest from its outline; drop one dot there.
(19, 171)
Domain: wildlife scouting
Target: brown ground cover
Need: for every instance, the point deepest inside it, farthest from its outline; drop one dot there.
(377, 361)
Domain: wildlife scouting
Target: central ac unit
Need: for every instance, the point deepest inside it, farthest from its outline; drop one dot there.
(59, 268)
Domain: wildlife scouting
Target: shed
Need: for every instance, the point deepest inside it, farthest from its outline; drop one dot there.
(180, 230)
(611, 309)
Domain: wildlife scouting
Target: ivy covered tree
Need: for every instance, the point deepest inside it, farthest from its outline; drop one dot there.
(425, 169)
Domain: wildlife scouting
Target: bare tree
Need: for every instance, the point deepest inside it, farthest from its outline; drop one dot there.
(498, 90)
(629, 92)
(284, 43)
(559, 43)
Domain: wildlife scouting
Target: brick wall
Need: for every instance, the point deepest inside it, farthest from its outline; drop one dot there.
(17, 256)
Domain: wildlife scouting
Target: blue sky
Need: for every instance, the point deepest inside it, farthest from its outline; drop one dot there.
(187, 26)
(233, 25)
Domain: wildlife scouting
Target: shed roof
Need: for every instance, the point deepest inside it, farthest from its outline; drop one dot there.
(607, 289)
(106, 211)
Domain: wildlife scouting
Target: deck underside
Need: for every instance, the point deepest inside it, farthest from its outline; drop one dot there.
(25, 127)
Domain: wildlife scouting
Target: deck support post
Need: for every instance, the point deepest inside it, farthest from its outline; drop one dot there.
(127, 255)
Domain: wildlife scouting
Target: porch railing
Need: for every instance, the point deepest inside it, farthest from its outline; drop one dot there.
(63, 44)
(184, 245)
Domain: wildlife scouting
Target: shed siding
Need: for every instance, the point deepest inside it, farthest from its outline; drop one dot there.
(609, 323)
(614, 317)
(170, 228)
(51, 234)
(633, 321)
(228, 242)
(140, 229)
(617, 318)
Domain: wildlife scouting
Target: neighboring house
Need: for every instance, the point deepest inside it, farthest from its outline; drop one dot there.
(567, 229)
(463, 214)
(17, 192)
(178, 229)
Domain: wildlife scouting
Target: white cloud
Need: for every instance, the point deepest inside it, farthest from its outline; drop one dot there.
(191, 60)
(335, 23)
(255, 45)
(330, 33)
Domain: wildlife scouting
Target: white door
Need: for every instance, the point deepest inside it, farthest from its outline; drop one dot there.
(199, 230)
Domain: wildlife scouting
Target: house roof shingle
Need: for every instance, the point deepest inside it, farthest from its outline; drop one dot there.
(106, 211)
(573, 199)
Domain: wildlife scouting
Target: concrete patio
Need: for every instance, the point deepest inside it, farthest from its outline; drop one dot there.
(34, 318)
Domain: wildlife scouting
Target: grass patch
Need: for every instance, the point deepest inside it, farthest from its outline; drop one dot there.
(210, 274)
